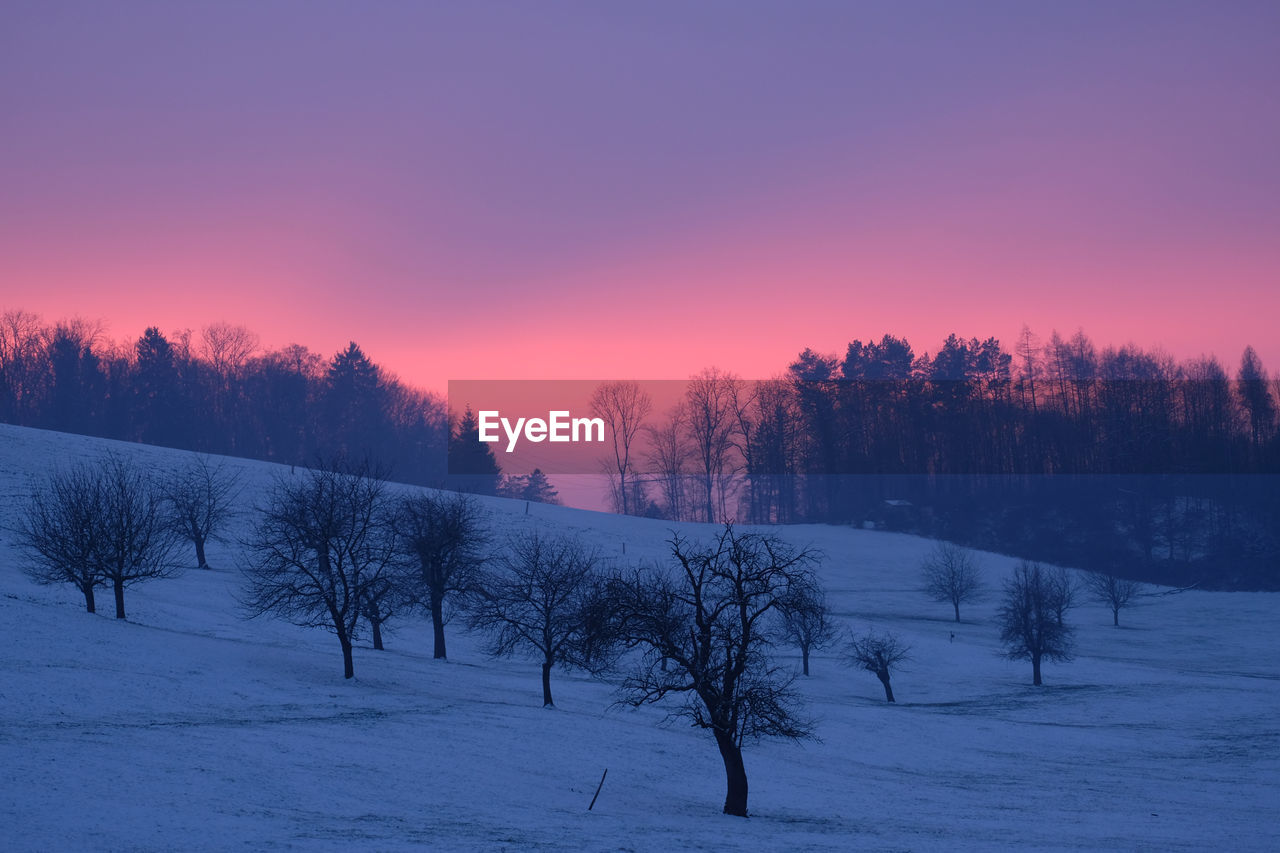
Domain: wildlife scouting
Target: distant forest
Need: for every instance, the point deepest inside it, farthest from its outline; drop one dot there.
(1119, 459)
(218, 392)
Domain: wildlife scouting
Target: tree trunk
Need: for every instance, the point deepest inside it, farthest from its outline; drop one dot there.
(1115, 616)
(1035, 670)
(735, 798)
(348, 666)
(883, 675)
(437, 623)
(804, 657)
(118, 586)
(546, 685)
(377, 633)
(200, 560)
(956, 605)
(89, 603)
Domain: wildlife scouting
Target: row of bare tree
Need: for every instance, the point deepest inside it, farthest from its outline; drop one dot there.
(113, 524)
(334, 548)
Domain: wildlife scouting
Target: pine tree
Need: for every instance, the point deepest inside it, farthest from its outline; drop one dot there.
(472, 465)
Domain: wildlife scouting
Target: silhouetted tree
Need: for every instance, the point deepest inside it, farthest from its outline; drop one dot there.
(472, 465)
(538, 488)
(1031, 618)
(951, 575)
(539, 602)
(444, 535)
(622, 406)
(321, 545)
(201, 498)
(703, 636)
(807, 622)
(133, 542)
(58, 530)
(878, 654)
(1115, 592)
(710, 419)
(158, 390)
(670, 456)
(1255, 395)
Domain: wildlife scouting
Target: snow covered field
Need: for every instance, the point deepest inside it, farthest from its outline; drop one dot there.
(189, 727)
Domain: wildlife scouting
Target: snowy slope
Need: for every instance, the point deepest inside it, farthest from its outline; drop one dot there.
(191, 727)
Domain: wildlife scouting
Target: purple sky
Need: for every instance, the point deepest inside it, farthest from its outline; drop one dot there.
(509, 190)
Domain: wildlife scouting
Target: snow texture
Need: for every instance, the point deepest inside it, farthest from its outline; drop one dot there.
(190, 727)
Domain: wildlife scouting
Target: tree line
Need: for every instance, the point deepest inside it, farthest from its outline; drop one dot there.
(218, 391)
(1120, 459)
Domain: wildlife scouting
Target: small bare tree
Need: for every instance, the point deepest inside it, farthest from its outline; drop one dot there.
(623, 406)
(133, 542)
(57, 530)
(540, 602)
(708, 617)
(1116, 593)
(98, 524)
(1032, 626)
(444, 534)
(807, 623)
(201, 499)
(878, 654)
(321, 546)
(951, 575)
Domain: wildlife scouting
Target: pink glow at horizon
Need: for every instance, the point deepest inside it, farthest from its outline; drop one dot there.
(494, 191)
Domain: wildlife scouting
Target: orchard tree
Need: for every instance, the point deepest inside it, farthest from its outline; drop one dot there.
(702, 634)
(951, 575)
(1115, 592)
(58, 530)
(540, 602)
(1032, 626)
(878, 654)
(200, 499)
(322, 545)
(133, 542)
(98, 524)
(443, 534)
(807, 623)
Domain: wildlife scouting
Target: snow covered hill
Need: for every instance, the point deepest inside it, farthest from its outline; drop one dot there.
(190, 727)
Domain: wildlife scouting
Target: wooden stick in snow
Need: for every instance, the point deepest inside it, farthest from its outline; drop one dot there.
(598, 787)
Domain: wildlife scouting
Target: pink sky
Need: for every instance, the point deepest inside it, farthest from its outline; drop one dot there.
(576, 190)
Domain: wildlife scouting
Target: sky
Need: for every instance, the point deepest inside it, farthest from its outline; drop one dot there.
(602, 190)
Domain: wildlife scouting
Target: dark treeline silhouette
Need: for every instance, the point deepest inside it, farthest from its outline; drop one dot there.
(1119, 460)
(218, 392)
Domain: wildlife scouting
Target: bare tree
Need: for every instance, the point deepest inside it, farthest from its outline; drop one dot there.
(444, 533)
(133, 542)
(201, 498)
(709, 618)
(228, 348)
(670, 456)
(321, 545)
(952, 575)
(1117, 593)
(623, 406)
(806, 622)
(540, 602)
(1031, 618)
(57, 530)
(878, 654)
(709, 408)
(22, 361)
